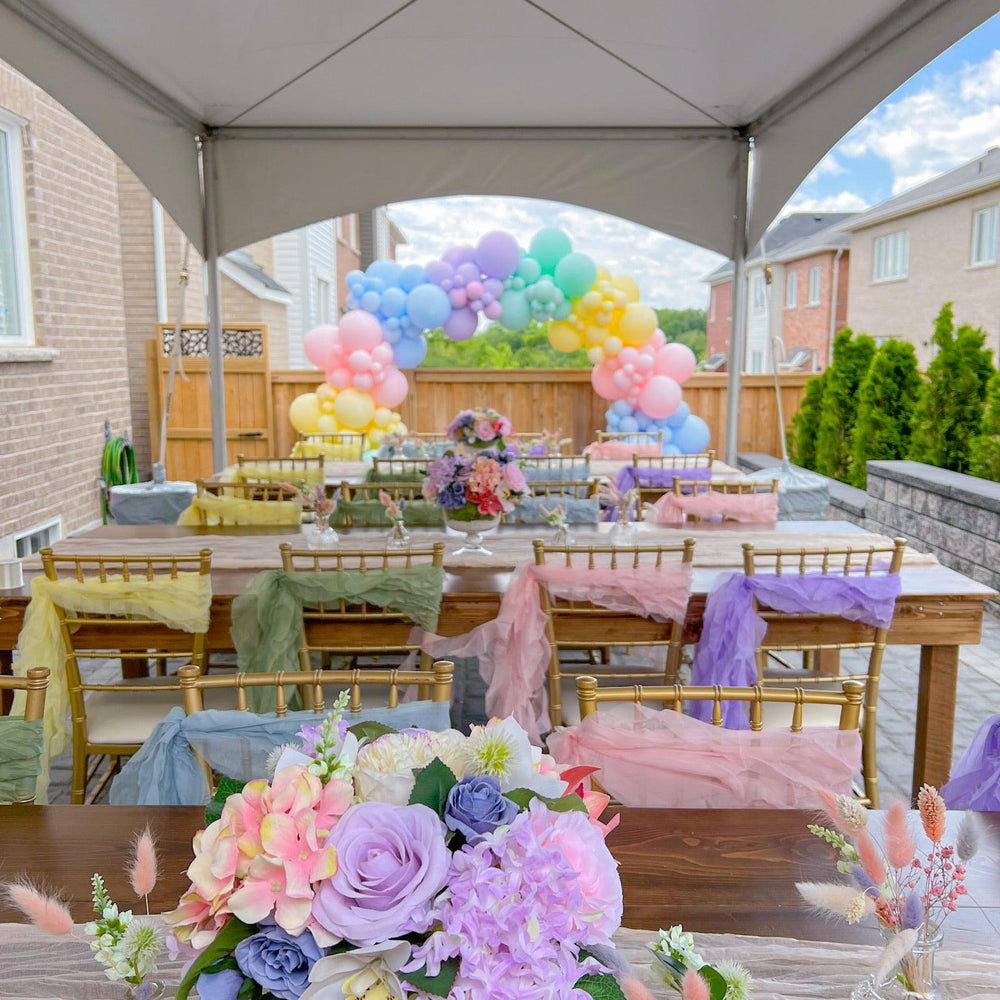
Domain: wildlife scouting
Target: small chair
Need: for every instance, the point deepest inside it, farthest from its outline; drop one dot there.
(577, 496)
(846, 560)
(220, 503)
(21, 738)
(684, 488)
(574, 625)
(630, 437)
(342, 447)
(275, 468)
(113, 720)
(360, 506)
(551, 468)
(703, 460)
(398, 470)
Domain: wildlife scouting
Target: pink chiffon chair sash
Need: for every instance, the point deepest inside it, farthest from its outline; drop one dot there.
(750, 508)
(513, 649)
(613, 451)
(662, 759)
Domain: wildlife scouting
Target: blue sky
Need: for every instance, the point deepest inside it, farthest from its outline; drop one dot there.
(944, 115)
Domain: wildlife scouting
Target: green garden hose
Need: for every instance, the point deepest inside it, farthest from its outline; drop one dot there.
(117, 469)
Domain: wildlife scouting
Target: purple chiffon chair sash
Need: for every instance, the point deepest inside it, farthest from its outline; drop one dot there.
(975, 779)
(629, 477)
(749, 508)
(732, 630)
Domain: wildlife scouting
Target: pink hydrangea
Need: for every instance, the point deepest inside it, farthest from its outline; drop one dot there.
(514, 477)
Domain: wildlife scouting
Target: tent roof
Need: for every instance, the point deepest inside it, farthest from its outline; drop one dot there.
(321, 108)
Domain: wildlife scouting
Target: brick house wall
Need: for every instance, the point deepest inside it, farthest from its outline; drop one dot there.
(720, 316)
(52, 412)
(806, 325)
(348, 255)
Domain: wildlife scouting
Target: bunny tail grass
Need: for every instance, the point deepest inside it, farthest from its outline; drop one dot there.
(46, 912)
(634, 990)
(897, 948)
(142, 869)
(693, 987)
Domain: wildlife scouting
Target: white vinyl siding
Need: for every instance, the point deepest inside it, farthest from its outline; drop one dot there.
(16, 321)
(891, 257)
(791, 290)
(984, 235)
(814, 281)
(757, 293)
(322, 301)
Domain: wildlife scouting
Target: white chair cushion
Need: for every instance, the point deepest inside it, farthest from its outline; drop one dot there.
(778, 715)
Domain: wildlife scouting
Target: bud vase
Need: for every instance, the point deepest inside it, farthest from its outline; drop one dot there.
(320, 534)
(148, 989)
(624, 532)
(912, 979)
(399, 537)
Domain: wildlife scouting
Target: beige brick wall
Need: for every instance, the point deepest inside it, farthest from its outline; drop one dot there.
(939, 272)
(52, 413)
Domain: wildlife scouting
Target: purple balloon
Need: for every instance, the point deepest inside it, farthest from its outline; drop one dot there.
(467, 272)
(498, 255)
(461, 324)
(438, 271)
(459, 255)
(494, 286)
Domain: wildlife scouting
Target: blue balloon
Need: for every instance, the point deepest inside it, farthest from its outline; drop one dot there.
(411, 276)
(387, 271)
(641, 419)
(671, 449)
(516, 311)
(370, 301)
(677, 418)
(692, 437)
(409, 352)
(354, 277)
(374, 285)
(628, 424)
(428, 306)
(393, 302)
(352, 301)
(612, 420)
(621, 408)
(392, 334)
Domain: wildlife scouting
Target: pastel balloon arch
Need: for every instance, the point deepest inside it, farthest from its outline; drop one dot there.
(391, 306)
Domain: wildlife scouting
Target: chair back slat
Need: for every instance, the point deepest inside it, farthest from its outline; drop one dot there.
(35, 684)
(346, 445)
(703, 460)
(630, 437)
(286, 468)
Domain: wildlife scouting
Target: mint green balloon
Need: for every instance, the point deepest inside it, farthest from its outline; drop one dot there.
(575, 274)
(529, 270)
(548, 247)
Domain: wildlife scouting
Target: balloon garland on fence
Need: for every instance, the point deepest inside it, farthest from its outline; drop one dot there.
(391, 306)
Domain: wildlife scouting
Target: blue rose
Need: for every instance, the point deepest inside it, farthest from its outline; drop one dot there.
(475, 806)
(279, 961)
(224, 985)
(452, 497)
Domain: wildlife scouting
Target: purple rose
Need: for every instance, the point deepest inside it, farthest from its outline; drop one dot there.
(279, 961)
(452, 497)
(475, 807)
(391, 862)
(224, 985)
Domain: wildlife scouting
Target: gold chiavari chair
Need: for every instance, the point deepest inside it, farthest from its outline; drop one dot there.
(575, 625)
(399, 470)
(114, 720)
(729, 487)
(703, 460)
(549, 468)
(847, 560)
(276, 468)
(360, 505)
(365, 492)
(630, 437)
(17, 786)
(247, 490)
(553, 492)
(344, 446)
(262, 493)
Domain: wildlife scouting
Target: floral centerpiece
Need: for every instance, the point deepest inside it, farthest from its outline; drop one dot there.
(480, 428)
(394, 865)
(471, 488)
(910, 891)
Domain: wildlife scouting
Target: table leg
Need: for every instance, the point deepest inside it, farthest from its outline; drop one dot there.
(935, 716)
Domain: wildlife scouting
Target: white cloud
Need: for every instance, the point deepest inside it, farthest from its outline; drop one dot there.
(829, 166)
(842, 201)
(668, 270)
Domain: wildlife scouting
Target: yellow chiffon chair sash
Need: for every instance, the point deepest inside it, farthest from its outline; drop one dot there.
(311, 475)
(237, 510)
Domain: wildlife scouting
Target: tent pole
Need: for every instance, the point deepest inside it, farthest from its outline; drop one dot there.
(213, 305)
(738, 330)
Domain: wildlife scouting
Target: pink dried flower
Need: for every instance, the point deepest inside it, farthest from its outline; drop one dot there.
(143, 869)
(694, 987)
(870, 857)
(47, 913)
(932, 812)
(899, 846)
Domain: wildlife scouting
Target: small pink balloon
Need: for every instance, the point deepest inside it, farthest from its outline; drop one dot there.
(382, 354)
(621, 380)
(458, 298)
(659, 397)
(377, 368)
(629, 369)
(675, 360)
(493, 310)
(475, 289)
(628, 355)
(602, 379)
(339, 378)
(644, 363)
(317, 345)
(392, 390)
(360, 330)
(359, 361)
(379, 376)
(363, 381)
(632, 396)
(657, 340)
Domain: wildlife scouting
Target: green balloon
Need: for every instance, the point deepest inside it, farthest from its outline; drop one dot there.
(549, 246)
(529, 270)
(575, 275)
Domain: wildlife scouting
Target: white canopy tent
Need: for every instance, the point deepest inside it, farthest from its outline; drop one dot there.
(248, 117)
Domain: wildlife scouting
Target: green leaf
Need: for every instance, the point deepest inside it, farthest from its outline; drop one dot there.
(439, 985)
(716, 984)
(601, 987)
(369, 730)
(225, 788)
(250, 990)
(676, 967)
(432, 786)
(225, 941)
(567, 803)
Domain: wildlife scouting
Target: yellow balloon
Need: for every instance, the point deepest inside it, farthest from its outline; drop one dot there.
(354, 408)
(563, 337)
(401, 429)
(328, 425)
(383, 416)
(327, 406)
(595, 335)
(595, 355)
(376, 436)
(326, 393)
(304, 413)
(592, 300)
(637, 324)
(627, 285)
(603, 274)
(612, 346)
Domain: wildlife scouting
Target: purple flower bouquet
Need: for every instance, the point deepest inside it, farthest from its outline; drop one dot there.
(480, 428)
(470, 488)
(403, 865)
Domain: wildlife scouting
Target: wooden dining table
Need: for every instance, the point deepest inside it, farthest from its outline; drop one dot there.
(938, 610)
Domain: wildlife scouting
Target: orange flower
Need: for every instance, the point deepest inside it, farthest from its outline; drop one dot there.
(932, 812)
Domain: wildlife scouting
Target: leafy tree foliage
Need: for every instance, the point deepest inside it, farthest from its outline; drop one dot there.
(804, 428)
(685, 326)
(984, 451)
(887, 399)
(949, 413)
(852, 357)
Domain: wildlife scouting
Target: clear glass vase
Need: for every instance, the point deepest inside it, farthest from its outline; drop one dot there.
(148, 989)
(625, 531)
(562, 535)
(473, 531)
(320, 534)
(399, 537)
(912, 979)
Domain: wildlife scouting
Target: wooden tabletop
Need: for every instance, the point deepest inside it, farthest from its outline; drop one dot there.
(714, 871)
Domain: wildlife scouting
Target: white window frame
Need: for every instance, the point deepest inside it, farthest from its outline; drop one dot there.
(982, 213)
(815, 284)
(11, 126)
(791, 289)
(354, 233)
(756, 362)
(323, 312)
(891, 260)
(338, 225)
(711, 304)
(758, 293)
(47, 533)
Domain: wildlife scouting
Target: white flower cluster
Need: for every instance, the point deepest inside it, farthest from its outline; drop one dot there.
(126, 947)
(677, 944)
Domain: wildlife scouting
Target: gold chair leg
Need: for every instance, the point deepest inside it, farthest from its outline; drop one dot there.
(78, 785)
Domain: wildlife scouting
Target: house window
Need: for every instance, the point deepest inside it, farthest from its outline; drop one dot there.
(29, 542)
(892, 256)
(353, 229)
(322, 307)
(791, 290)
(339, 226)
(756, 361)
(984, 235)
(757, 292)
(814, 285)
(16, 323)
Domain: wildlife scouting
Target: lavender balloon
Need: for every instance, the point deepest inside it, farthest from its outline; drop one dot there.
(461, 324)
(498, 255)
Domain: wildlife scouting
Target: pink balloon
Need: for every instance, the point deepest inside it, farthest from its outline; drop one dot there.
(602, 379)
(461, 324)
(363, 381)
(392, 390)
(621, 380)
(675, 360)
(382, 354)
(339, 378)
(317, 344)
(628, 355)
(360, 330)
(645, 363)
(657, 340)
(377, 368)
(493, 310)
(458, 298)
(475, 289)
(659, 397)
(359, 361)
(632, 396)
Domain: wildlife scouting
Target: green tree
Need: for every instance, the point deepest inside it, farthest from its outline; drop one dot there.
(984, 451)
(684, 326)
(804, 427)
(950, 410)
(852, 357)
(497, 347)
(887, 401)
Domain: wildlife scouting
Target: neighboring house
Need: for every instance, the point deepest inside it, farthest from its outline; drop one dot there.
(796, 290)
(63, 368)
(934, 244)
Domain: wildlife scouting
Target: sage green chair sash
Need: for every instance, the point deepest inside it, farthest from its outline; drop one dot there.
(21, 746)
(371, 514)
(402, 476)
